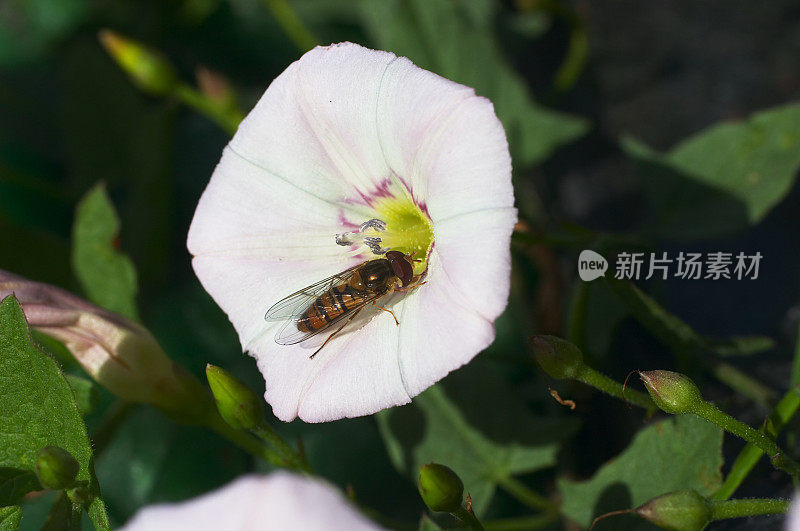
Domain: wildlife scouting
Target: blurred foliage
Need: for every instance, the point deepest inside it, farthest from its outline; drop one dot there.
(70, 119)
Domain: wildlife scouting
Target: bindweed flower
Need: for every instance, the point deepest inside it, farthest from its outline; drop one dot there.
(278, 501)
(351, 152)
(793, 519)
(118, 353)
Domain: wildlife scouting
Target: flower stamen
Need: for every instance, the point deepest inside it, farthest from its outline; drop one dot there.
(360, 236)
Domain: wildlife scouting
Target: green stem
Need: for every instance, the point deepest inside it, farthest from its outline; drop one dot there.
(521, 492)
(291, 24)
(751, 453)
(224, 116)
(291, 458)
(245, 441)
(721, 510)
(468, 518)
(600, 381)
(530, 523)
(779, 458)
(576, 325)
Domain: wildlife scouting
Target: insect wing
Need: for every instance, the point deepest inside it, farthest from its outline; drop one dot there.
(293, 306)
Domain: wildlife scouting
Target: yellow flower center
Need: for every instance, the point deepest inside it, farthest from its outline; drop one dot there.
(399, 225)
(408, 229)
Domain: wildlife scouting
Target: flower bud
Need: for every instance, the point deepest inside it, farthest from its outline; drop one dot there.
(441, 488)
(671, 391)
(557, 357)
(147, 69)
(684, 510)
(56, 468)
(237, 404)
(118, 353)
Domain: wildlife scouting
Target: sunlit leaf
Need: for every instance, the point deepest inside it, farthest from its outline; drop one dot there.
(9, 518)
(737, 171)
(682, 452)
(37, 407)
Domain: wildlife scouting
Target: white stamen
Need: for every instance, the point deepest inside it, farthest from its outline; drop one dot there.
(361, 237)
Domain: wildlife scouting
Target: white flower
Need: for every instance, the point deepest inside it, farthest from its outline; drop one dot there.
(343, 136)
(793, 519)
(279, 501)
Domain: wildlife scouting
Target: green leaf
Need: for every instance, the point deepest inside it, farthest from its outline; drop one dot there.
(739, 171)
(85, 392)
(433, 429)
(107, 275)
(682, 452)
(9, 518)
(37, 407)
(456, 40)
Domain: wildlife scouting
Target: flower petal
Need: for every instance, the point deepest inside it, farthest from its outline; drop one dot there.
(355, 374)
(244, 204)
(277, 501)
(476, 255)
(315, 126)
(445, 142)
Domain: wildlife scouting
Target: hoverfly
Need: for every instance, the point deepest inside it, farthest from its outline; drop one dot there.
(339, 298)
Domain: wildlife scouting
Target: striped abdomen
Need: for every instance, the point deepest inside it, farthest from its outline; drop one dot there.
(328, 306)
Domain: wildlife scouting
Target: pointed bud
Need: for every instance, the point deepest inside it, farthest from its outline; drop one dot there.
(118, 353)
(441, 488)
(216, 88)
(56, 468)
(684, 510)
(671, 391)
(147, 69)
(237, 404)
(557, 357)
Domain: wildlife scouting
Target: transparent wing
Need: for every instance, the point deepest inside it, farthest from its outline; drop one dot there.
(289, 334)
(292, 306)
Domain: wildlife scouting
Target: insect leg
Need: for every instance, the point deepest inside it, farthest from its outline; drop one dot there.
(387, 310)
(336, 332)
(411, 287)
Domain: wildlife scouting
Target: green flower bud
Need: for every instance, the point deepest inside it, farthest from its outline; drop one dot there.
(557, 357)
(237, 404)
(441, 488)
(56, 468)
(671, 391)
(147, 69)
(684, 510)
